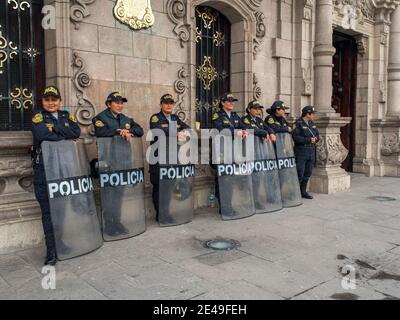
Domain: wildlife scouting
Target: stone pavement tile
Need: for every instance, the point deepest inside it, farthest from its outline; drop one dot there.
(219, 257)
(15, 271)
(33, 256)
(393, 223)
(164, 281)
(238, 290)
(206, 272)
(68, 287)
(5, 290)
(269, 276)
(361, 229)
(396, 250)
(135, 264)
(333, 290)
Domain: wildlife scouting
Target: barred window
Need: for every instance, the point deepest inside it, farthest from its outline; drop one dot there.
(21, 62)
(213, 52)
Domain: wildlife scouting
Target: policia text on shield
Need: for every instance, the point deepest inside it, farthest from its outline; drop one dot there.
(64, 185)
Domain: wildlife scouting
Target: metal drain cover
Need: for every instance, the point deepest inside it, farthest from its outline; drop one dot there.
(222, 244)
(382, 198)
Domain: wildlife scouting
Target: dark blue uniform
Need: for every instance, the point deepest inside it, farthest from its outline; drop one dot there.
(46, 127)
(277, 124)
(304, 149)
(261, 129)
(160, 121)
(106, 124)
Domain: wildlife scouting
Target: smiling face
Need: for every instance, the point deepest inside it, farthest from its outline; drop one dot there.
(116, 107)
(167, 107)
(51, 104)
(280, 112)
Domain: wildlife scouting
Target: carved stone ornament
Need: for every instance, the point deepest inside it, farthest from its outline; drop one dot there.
(137, 14)
(307, 81)
(260, 33)
(79, 11)
(390, 145)
(181, 88)
(176, 11)
(85, 109)
(362, 45)
(256, 88)
(331, 151)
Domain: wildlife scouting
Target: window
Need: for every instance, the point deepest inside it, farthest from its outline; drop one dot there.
(21, 62)
(213, 51)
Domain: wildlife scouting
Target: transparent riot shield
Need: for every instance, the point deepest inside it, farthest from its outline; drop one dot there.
(176, 204)
(265, 177)
(235, 189)
(290, 189)
(71, 196)
(121, 177)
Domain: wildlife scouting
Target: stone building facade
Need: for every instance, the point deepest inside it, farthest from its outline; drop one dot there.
(342, 56)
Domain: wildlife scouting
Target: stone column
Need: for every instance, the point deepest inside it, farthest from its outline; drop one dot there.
(328, 177)
(393, 107)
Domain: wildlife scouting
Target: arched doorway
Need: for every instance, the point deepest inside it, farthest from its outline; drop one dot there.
(213, 52)
(21, 63)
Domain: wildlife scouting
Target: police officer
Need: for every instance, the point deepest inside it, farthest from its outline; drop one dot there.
(109, 123)
(253, 121)
(226, 118)
(112, 122)
(276, 118)
(305, 136)
(50, 124)
(162, 120)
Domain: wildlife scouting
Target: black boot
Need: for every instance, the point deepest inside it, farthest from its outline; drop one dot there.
(304, 193)
(51, 256)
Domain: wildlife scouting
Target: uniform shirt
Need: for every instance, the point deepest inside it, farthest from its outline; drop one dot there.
(258, 125)
(46, 127)
(278, 124)
(106, 124)
(303, 132)
(221, 121)
(160, 121)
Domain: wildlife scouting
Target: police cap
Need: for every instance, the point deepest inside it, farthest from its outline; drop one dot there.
(115, 96)
(51, 91)
(307, 110)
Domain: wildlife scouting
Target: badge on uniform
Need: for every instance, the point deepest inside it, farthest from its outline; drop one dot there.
(271, 121)
(215, 116)
(66, 124)
(72, 118)
(99, 124)
(50, 126)
(127, 126)
(246, 121)
(154, 119)
(37, 118)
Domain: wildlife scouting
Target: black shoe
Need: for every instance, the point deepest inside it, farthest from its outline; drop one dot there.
(304, 193)
(121, 229)
(258, 206)
(112, 231)
(50, 261)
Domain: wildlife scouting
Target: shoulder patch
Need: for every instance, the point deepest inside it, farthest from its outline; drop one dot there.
(37, 118)
(154, 119)
(215, 116)
(294, 126)
(72, 118)
(99, 124)
(246, 121)
(271, 120)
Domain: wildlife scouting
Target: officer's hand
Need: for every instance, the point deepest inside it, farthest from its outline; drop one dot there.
(267, 138)
(290, 129)
(313, 140)
(244, 134)
(272, 137)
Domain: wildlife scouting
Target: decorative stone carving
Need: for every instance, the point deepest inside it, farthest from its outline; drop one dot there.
(390, 145)
(382, 91)
(330, 151)
(79, 11)
(180, 88)
(254, 4)
(362, 45)
(256, 89)
(307, 81)
(307, 12)
(85, 109)
(176, 11)
(353, 12)
(260, 32)
(136, 14)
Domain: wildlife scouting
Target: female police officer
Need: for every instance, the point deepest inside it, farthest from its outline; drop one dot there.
(50, 124)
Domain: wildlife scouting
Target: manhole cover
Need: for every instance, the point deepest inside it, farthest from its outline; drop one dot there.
(222, 244)
(381, 198)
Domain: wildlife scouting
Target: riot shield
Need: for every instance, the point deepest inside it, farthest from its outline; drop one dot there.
(290, 189)
(72, 206)
(176, 204)
(121, 177)
(265, 177)
(234, 180)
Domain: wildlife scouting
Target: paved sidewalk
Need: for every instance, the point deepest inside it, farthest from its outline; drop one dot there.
(296, 253)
